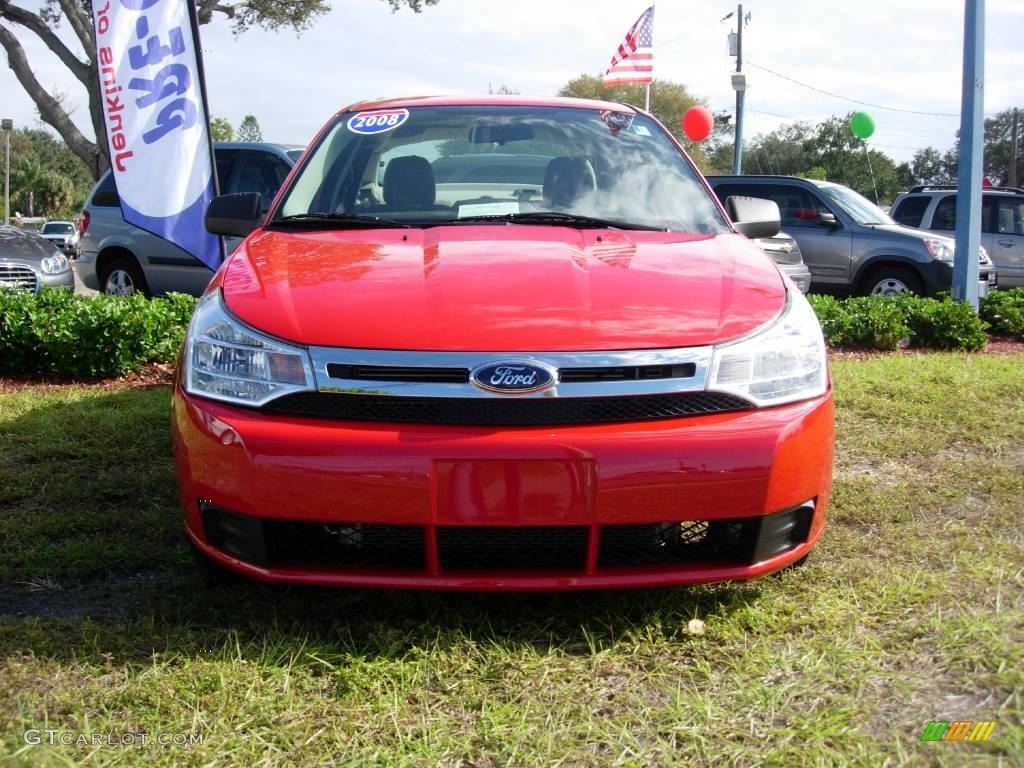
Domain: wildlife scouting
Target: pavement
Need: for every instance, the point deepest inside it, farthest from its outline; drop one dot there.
(79, 285)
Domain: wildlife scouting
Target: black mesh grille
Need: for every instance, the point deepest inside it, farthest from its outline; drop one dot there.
(398, 373)
(627, 373)
(345, 545)
(688, 541)
(504, 412)
(528, 548)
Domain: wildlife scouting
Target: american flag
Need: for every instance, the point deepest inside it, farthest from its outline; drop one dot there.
(634, 61)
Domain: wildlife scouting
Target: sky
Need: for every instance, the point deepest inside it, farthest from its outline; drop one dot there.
(904, 54)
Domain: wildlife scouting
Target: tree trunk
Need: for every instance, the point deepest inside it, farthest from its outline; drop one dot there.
(50, 109)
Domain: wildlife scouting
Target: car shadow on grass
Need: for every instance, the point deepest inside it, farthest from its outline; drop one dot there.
(94, 561)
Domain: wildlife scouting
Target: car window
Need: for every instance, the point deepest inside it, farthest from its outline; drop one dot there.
(429, 165)
(106, 195)
(945, 214)
(1010, 217)
(57, 228)
(225, 161)
(797, 206)
(910, 210)
(259, 172)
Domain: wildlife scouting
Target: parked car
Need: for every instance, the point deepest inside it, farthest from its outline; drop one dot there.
(119, 258)
(786, 253)
(29, 263)
(1002, 223)
(63, 234)
(849, 244)
(588, 378)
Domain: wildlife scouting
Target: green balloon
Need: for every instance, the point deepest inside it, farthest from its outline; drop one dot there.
(862, 124)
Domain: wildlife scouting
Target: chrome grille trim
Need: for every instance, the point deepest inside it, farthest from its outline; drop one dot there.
(696, 358)
(18, 276)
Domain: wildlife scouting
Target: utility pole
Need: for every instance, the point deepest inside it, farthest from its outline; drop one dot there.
(7, 125)
(1011, 178)
(968, 191)
(739, 84)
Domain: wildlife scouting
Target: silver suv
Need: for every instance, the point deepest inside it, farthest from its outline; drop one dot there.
(119, 258)
(851, 245)
(1002, 222)
(63, 234)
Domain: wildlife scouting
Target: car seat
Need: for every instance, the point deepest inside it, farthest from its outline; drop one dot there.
(566, 180)
(409, 183)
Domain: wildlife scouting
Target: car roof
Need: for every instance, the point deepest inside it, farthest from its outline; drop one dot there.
(487, 101)
(772, 177)
(266, 145)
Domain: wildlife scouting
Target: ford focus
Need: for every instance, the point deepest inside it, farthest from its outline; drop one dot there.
(501, 343)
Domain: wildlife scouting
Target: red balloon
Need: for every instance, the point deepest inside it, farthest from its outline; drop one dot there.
(698, 122)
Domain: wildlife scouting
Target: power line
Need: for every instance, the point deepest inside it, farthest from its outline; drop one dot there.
(693, 32)
(847, 98)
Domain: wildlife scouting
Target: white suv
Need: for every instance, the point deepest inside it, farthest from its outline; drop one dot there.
(1002, 223)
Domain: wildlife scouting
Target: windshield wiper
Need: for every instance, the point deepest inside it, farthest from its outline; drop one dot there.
(339, 221)
(558, 218)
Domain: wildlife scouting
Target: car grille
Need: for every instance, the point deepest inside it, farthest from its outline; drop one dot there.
(546, 548)
(674, 542)
(360, 546)
(504, 412)
(18, 277)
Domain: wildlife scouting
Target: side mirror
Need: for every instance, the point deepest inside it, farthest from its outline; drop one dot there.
(753, 216)
(827, 220)
(234, 215)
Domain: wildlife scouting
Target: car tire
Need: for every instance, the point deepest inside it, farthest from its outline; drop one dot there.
(122, 276)
(892, 281)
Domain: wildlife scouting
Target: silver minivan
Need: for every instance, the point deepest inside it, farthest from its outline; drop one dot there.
(118, 258)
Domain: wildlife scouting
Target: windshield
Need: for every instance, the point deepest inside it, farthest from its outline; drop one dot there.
(58, 228)
(427, 166)
(859, 208)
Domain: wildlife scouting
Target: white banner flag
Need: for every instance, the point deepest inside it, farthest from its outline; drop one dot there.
(154, 109)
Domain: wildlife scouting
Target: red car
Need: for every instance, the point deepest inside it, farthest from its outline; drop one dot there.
(501, 343)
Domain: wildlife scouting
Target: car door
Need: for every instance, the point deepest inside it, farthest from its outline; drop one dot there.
(1007, 244)
(255, 171)
(826, 250)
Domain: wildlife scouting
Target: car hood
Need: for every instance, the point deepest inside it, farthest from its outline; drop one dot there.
(899, 229)
(501, 288)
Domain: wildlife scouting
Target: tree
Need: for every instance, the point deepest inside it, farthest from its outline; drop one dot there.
(221, 130)
(669, 100)
(40, 163)
(249, 130)
(15, 20)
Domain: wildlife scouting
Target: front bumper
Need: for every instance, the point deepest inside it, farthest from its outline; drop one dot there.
(704, 498)
(799, 274)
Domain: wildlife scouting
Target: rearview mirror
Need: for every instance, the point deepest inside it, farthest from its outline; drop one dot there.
(500, 134)
(827, 220)
(234, 215)
(754, 217)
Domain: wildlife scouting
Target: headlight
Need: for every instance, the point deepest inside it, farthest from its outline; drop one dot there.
(983, 255)
(781, 364)
(940, 248)
(54, 265)
(226, 360)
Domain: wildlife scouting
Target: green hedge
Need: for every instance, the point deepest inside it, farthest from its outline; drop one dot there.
(63, 335)
(1004, 311)
(60, 334)
(883, 322)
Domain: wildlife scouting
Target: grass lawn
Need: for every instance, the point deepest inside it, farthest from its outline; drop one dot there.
(909, 610)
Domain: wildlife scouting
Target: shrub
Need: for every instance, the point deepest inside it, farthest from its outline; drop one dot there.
(944, 324)
(872, 322)
(1004, 311)
(60, 334)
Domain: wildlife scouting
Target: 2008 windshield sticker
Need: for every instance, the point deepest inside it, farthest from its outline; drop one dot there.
(382, 120)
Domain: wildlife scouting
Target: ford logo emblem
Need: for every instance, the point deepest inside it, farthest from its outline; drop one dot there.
(513, 377)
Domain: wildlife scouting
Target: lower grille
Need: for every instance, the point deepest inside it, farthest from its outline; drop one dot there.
(17, 277)
(687, 541)
(346, 544)
(353, 546)
(504, 411)
(529, 548)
